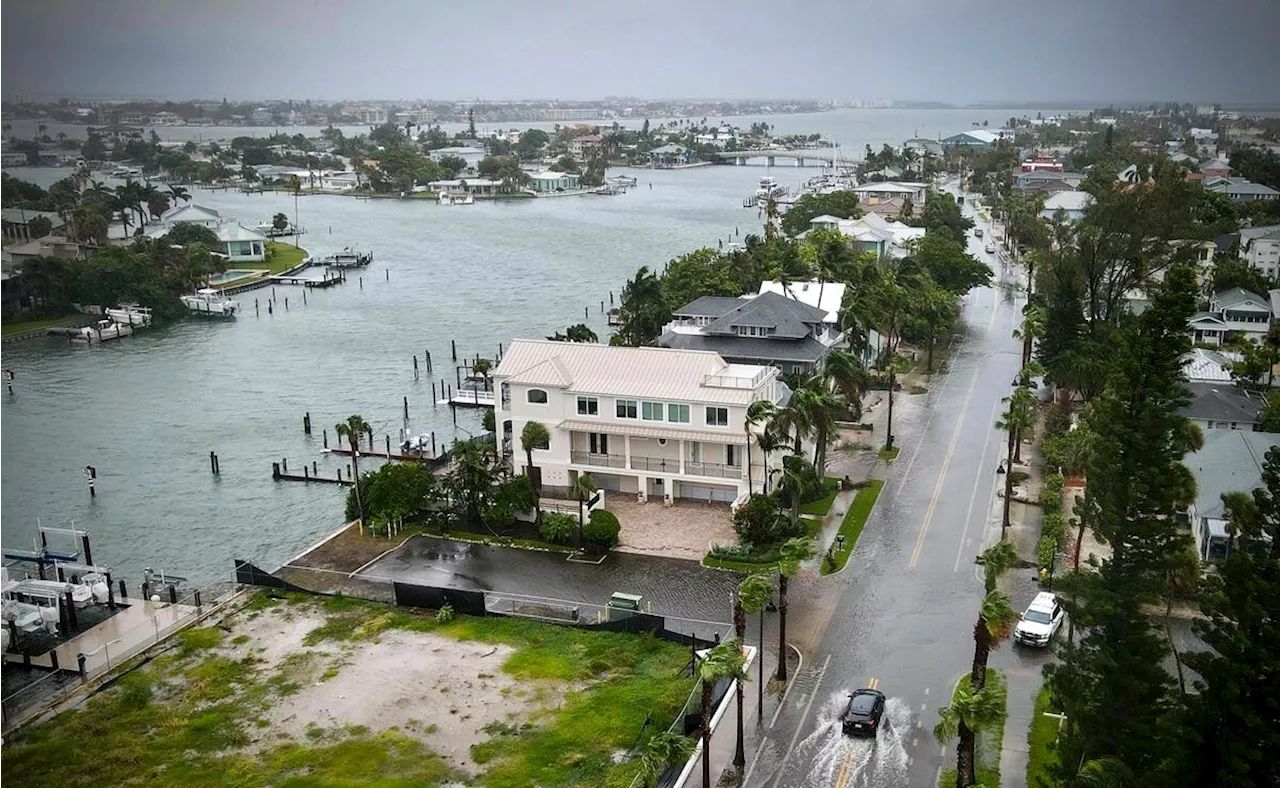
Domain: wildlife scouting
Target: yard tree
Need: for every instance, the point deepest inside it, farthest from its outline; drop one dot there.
(643, 312)
(1231, 724)
(942, 216)
(722, 661)
(351, 430)
(280, 222)
(1112, 685)
(842, 204)
(949, 265)
(969, 711)
(534, 435)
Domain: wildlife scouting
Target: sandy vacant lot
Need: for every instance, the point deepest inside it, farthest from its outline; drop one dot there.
(440, 690)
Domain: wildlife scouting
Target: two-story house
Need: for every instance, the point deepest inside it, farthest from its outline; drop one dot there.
(769, 329)
(1229, 461)
(1260, 248)
(652, 422)
(1234, 313)
(872, 233)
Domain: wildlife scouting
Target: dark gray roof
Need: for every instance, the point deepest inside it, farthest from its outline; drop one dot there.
(786, 317)
(1231, 461)
(1222, 402)
(708, 306)
(750, 350)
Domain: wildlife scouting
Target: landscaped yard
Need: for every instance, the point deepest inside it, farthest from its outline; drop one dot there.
(300, 691)
(851, 526)
(820, 507)
(280, 257)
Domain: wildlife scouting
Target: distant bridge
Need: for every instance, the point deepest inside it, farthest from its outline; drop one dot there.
(803, 157)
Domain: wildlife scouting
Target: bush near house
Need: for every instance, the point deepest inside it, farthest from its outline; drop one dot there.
(557, 527)
(602, 529)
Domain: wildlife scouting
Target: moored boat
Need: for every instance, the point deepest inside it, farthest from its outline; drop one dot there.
(455, 199)
(348, 258)
(130, 315)
(208, 301)
(101, 331)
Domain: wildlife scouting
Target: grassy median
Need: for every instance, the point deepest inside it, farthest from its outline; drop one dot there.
(854, 521)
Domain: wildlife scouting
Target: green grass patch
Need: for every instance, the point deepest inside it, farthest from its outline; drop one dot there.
(503, 541)
(187, 720)
(888, 454)
(820, 507)
(737, 566)
(199, 638)
(852, 524)
(1042, 744)
(989, 740)
(32, 325)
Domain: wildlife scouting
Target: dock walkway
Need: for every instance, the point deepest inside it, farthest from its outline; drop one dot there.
(468, 398)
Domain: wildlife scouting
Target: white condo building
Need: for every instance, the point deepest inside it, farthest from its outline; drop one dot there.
(657, 423)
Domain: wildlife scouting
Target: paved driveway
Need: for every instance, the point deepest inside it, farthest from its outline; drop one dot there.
(684, 530)
(676, 588)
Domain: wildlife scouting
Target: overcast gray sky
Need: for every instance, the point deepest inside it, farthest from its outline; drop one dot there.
(955, 51)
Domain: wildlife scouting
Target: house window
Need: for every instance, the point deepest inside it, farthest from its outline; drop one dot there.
(730, 455)
(599, 442)
(651, 411)
(717, 417)
(626, 408)
(678, 414)
(537, 397)
(588, 406)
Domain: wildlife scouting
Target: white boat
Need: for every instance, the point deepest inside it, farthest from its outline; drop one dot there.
(130, 315)
(101, 331)
(770, 188)
(26, 617)
(270, 230)
(455, 199)
(348, 258)
(208, 301)
(126, 172)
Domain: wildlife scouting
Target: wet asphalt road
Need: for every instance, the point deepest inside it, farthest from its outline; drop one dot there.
(902, 614)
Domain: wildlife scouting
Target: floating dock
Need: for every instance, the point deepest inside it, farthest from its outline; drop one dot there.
(281, 475)
(468, 398)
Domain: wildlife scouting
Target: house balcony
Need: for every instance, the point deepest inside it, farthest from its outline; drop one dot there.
(691, 468)
(600, 460)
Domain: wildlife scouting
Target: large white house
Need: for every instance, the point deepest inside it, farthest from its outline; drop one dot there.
(651, 422)
(1234, 313)
(872, 233)
(1260, 248)
(239, 244)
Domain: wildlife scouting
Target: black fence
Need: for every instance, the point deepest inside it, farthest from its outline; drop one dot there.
(470, 603)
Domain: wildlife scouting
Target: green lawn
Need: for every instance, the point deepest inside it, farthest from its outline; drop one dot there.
(1041, 740)
(32, 325)
(989, 743)
(821, 506)
(854, 520)
(184, 719)
(280, 258)
(887, 454)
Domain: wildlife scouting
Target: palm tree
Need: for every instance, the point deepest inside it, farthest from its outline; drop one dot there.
(758, 412)
(827, 409)
(723, 661)
(534, 435)
(178, 194)
(583, 488)
(352, 429)
(969, 711)
(1032, 328)
(753, 595)
(770, 441)
(846, 372)
(1018, 416)
(793, 553)
(661, 752)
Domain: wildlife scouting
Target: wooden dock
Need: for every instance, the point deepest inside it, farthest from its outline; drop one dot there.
(307, 476)
(468, 398)
(398, 456)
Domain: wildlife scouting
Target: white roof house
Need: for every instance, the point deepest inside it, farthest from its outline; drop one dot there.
(832, 295)
(873, 233)
(650, 422)
(1073, 203)
(238, 243)
(891, 189)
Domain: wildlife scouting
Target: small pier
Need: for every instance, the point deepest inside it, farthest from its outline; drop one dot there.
(307, 281)
(282, 475)
(394, 454)
(467, 398)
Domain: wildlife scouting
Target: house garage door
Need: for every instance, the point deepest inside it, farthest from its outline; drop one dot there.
(708, 493)
(607, 481)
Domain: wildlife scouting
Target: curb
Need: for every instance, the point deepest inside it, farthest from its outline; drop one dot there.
(791, 682)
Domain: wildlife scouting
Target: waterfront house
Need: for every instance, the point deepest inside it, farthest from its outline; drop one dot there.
(552, 181)
(459, 187)
(769, 328)
(340, 181)
(1240, 190)
(670, 156)
(1222, 406)
(1233, 314)
(651, 422)
(586, 146)
(873, 233)
(977, 138)
(1072, 204)
(1260, 248)
(893, 190)
(13, 159)
(49, 246)
(192, 214)
(1229, 461)
(239, 244)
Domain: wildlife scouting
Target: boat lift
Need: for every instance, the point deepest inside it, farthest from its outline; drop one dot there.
(42, 556)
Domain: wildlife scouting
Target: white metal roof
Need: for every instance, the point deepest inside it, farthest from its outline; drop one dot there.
(643, 372)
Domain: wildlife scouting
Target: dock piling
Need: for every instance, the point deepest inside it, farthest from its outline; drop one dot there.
(601, 306)
(433, 445)
(286, 303)
(610, 298)
(325, 434)
(111, 593)
(428, 352)
(388, 274)
(256, 313)
(53, 660)
(213, 463)
(304, 297)
(306, 472)
(273, 294)
(453, 348)
(275, 474)
(306, 422)
(406, 408)
(433, 394)
(361, 279)
(124, 592)
(270, 309)
(415, 367)
(80, 665)
(284, 464)
(388, 437)
(173, 595)
(197, 596)
(88, 554)
(586, 313)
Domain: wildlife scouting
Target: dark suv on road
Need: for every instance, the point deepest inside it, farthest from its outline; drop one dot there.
(862, 716)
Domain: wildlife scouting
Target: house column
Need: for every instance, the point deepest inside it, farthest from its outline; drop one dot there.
(682, 448)
(626, 450)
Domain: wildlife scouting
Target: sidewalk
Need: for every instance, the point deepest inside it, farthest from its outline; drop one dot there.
(724, 736)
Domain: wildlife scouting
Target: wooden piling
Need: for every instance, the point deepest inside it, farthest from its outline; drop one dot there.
(270, 310)
(433, 446)
(433, 394)
(213, 463)
(586, 313)
(388, 274)
(325, 433)
(275, 471)
(453, 348)
(273, 294)
(361, 282)
(610, 298)
(313, 467)
(428, 352)
(388, 437)
(284, 464)
(256, 313)
(415, 367)
(406, 408)
(601, 306)
(286, 303)
(304, 297)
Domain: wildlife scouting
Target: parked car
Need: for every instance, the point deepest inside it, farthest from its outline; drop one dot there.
(991, 248)
(1042, 618)
(862, 715)
(977, 232)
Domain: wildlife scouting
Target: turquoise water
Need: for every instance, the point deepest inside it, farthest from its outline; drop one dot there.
(230, 275)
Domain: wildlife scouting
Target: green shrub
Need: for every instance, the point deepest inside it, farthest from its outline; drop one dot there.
(1046, 548)
(1057, 420)
(445, 614)
(557, 527)
(602, 529)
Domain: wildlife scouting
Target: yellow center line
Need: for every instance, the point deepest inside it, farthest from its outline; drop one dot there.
(942, 474)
